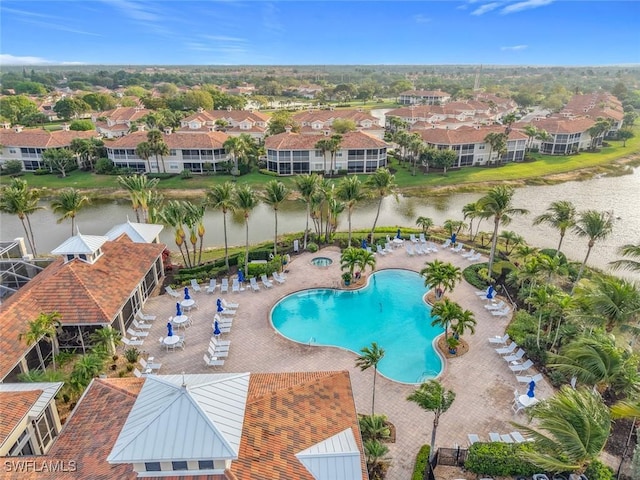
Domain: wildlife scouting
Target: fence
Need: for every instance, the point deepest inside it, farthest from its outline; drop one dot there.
(445, 456)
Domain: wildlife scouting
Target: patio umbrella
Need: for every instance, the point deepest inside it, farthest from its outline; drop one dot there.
(491, 292)
(178, 309)
(453, 238)
(186, 293)
(532, 387)
(398, 234)
(220, 308)
(240, 276)
(216, 328)
(169, 329)
(218, 303)
(364, 244)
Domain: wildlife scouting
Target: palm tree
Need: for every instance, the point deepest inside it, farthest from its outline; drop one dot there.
(614, 300)
(497, 204)
(595, 226)
(349, 259)
(194, 218)
(425, 223)
(628, 250)
(382, 183)
(530, 131)
(365, 259)
(572, 429)
(441, 276)
(68, 202)
(324, 146)
(237, 148)
(472, 211)
(443, 313)
(540, 298)
(626, 409)
(45, 326)
(107, 338)
(375, 451)
(275, 194)
(350, 191)
(560, 215)
(464, 321)
(245, 200)
(221, 198)
(173, 214)
(432, 397)
(511, 240)
(497, 143)
(334, 147)
(20, 200)
(370, 357)
(144, 151)
(307, 185)
(158, 146)
(137, 185)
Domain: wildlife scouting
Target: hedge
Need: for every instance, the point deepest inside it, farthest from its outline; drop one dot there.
(499, 459)
(422, 460)
(470, 274)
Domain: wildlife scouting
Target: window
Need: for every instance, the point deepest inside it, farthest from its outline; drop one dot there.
(23, 446)
(45, 427)
(179, 465)
(152, 466)
(12, 150)
(205, 464)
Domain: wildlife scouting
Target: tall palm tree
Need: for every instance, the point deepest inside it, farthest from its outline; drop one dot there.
(370, 357)
(441, 276)
(173, 214)
(137, 185)
(530, 131)
(497, 204)
(614, 300)
(68, 203)
(275, 194)
(497, 143)
(472, 211)
(237, 148)
(541, 298)
(572, 429)
(158, 146)
(381, 183)
(443, 313)
(432, 397)
(194, 219)
(144, 151)
(511, 240)
(324, 146)
(595, 226)
(560, 215)
(20, 200)
(349, 259)
(307, 185)
(350, 191)
(628, 250)
(245, 200)
(45, 326)
(425, 223)
(221, 197)
(334, 148)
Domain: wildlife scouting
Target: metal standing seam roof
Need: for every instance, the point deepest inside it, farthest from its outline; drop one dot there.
(87, 244)
(336, 458)
(137, 232)
(202, 414)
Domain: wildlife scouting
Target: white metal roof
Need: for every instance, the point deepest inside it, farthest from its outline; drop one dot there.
(184, 417)
(336, 458)
(137, 232)
(87, 244)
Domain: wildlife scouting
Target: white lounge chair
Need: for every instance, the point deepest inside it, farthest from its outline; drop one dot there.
(131, 343)
(224, 286)
(137, 373)
(500, 340)
(496, 306)
(148, 367)
(213, 283)
(388, 248)
(236, 286)
(413, 238)
(446, 243)
(217, 353)
(528, 378)
(141, 326)
(475, 258)
(494, 437)
(380, 250)
(195, 286)
(212, 362)
(146, 318)
(458, 248)
(515, 357)
(473, 438)
(517, 436)
(506, 438)
(226, 304)
(482, 293)
(501, 313)
(422, 239)
(254, 284)
(171, 291)
(521, 367)
(222, 343)
(278, 277)
(265, 281)
(508, 349)
(468, 254)
(137, 333)
(409, 248)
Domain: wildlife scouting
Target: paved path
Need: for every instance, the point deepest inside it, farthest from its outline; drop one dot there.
(482, 381)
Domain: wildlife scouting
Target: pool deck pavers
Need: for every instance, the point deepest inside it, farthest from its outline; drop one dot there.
(481, 379)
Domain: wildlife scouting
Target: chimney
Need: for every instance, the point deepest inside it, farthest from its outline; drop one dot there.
(200, 110)
(326, 133)
(212, 129)
(18, 128)
(168, 130)
(6, 125)
(228, 108)
(65, 127)
(142, 127)
(287, 128)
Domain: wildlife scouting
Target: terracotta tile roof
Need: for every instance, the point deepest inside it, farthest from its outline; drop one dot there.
(297, 141)
(554, 125)
(177, 140)
(15, 405)
(465, 134)
(236, 116)
(124, 114)
(330, 115)
(425, 93)
(82, 293)
(288, 412)
(39, 138)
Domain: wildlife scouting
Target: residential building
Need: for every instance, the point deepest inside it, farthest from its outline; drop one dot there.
(566, 135)
(423, 97)
(318, 121)
(292, 153)
(232, 122)
(470, 144)
(197, 152)
(119, 121)
(17, 267)
(225, 426)
(28, 144)
(95, 282)
(596, 105)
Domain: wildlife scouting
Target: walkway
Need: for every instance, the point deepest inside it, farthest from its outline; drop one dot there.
(482, 381)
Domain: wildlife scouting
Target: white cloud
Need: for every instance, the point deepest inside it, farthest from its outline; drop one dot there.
(420, 18)
(525, 5)
(8, 59)
(135, 10)
(487, 7)
(514, 48)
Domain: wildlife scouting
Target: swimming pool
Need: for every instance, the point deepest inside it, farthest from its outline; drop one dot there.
(389, 310)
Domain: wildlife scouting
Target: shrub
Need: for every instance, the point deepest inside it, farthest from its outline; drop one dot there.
(537, 354)
(161, 176)
(499, 459)
(471, 275)
(598, 471)
(264, 171)
(186, 174)
(41, 171)
(522, 325)
(81, 125)
(422, 460)
(104, 166)
(312, 247)
(11, 167)
(132, 354)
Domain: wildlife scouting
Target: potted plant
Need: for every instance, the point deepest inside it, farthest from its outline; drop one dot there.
(453, 343)
(346, 277)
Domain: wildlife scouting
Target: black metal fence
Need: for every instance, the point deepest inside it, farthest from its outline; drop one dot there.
(454, 457)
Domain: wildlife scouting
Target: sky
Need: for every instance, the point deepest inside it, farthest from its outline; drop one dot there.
(330, 32)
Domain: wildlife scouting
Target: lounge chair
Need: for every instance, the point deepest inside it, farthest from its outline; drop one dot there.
(496, 306)
(137, 373)
(422, 239)
(388, 248)
(148, 367)
(521, 367)
(500, 340)
(212, 362)
(475, 258)
(508, 349)
(222, 343)
(501, 313)
(265, 281)
(409, 248)
(506, 438)
(213, 283)
(515, 357)
(380, 250)
(278, 277)
(482, 293)
(224, 286)
(171, 291)
(413, 238)
(217, 353)
(137, 333)
(473, 438)
(528, 378)
(517, 437)
(254, 284)
(131, 343)
(458, 248)
(446, 243)
(494, 437)
(141, 326)
(236, 286)
(195, 286)
(226, 304)
(227, 311)
(146, 318)
(468, 254)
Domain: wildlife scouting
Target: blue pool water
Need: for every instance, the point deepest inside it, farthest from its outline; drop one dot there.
(389, 311)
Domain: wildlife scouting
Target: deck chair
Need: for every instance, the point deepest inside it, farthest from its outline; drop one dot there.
(497, 306)
(171, 291)
(224, 286)
(447, 243)
(195, 286)
(145, 318)
(136, 333)
(212, 362)
(413, 238)
(213, 283)
(254, 284)
(235, 287)
(458, 248)
(217, 353)
(473, 438)
(227, 311)
(265, 281)
(508, 349)
(131, 343)
(506, 438)
(501, 313)
(528, 378)
(137, 373)
(494, 437)
(468, 254)
(522, 367)
(141, 326)
(475, 258)
(226, 304)
(516, 356)
(380, 250)
(500, 340)
(221, 343)
(517, 437)
(422, 239)
(148, 367)
(278, 278)
(409, 250)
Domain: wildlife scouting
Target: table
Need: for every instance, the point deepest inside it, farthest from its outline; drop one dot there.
(172, 340)
(526, 401)
(188, 303)
(397, 242)
(180, 320)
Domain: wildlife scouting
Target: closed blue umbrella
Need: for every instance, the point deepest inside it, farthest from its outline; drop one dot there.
(364, 244)
(491, 292)
(220, 308)
(169, 329)
(398, 235)
(453, 238)
(218, 303)
(532, 387)
(216, 328)
(178, 309)
(240, 276)
(186, 293)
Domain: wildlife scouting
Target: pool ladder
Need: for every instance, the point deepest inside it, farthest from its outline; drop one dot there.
(311, 341)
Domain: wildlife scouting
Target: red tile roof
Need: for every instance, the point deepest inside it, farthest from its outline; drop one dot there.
(15, 405)
(38, 138)
(177, 140)
(124, 114)
(464, 134)
(330, 115)
(82, 293)
(425, 93)
(554, 125)
(297, 141)
(236, 116)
